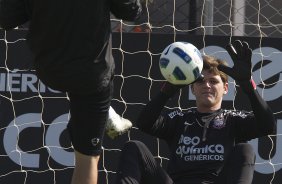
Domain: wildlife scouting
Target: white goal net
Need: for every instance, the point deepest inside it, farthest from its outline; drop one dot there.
(34, 145)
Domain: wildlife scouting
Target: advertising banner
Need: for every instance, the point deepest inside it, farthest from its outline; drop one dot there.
(34, 143)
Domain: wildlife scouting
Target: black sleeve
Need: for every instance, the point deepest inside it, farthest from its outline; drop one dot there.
(13, 13)
(265, 120)
(126, 9)
(258, 123)
(151, 112)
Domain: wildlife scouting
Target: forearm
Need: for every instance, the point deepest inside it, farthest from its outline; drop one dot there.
(264, 116)
(151, 112)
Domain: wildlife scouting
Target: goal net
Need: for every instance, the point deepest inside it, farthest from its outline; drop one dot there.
(33, 117)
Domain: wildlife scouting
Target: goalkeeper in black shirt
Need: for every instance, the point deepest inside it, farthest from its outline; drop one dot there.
(207, 144)
(71, 43)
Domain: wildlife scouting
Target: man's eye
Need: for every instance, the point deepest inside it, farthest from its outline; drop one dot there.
(201, 82)
(213, 82)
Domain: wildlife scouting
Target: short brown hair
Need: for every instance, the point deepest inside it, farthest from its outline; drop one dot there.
(211, 63)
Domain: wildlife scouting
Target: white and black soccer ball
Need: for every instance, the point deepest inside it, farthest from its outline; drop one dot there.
(181, 63)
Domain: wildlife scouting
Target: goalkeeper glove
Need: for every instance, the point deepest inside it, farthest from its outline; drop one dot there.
(170, 89)
(241, 71)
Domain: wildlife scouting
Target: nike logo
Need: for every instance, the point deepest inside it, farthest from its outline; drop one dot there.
(95, 141)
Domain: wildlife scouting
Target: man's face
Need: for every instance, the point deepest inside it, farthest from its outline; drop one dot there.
(209, 91)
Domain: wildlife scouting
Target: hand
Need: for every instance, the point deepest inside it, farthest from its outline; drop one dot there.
(241, 71)
(170, 89)
(241, 55)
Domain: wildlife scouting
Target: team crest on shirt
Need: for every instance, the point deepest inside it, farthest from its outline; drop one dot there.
(218, 122)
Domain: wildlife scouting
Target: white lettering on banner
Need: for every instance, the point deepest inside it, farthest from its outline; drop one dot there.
(260, 54)
(274, 55)
(53, 141)
(52, 138)
(22, 82)
(53, 133)
(274, 163)
(10, 139)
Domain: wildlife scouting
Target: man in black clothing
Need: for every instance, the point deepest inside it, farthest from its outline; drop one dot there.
(71, 43)
(207, 144)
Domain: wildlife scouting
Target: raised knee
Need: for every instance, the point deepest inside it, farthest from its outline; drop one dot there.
(133, 145)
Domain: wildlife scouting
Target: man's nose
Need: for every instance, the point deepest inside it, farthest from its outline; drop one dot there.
(207, 83)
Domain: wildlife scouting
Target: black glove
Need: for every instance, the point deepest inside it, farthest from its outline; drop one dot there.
(241, 71)
(170, 89)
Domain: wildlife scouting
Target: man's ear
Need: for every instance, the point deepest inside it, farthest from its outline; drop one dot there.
(225, 88)
(192, 88)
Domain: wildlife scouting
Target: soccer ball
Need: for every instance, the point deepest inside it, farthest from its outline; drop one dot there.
(181, 63)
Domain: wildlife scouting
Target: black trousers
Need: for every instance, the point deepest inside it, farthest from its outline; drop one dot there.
(138, 166)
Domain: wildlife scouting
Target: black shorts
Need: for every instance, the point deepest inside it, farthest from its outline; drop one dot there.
(82, 75)
(89, 114)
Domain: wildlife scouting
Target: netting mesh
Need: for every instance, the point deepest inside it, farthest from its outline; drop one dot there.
(34, 117)
(259, 18)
